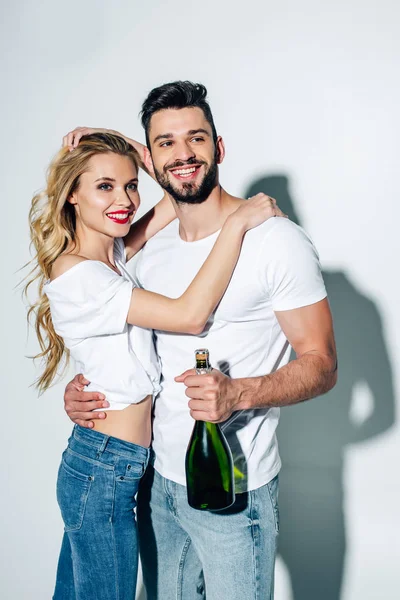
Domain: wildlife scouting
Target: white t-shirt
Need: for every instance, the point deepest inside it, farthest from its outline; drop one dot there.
(89, 305)
(278, 270)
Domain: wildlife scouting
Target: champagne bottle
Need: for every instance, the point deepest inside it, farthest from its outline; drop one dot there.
(209, 463)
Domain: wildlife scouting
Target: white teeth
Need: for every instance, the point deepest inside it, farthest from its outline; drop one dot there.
(185, 171)
(120, 216)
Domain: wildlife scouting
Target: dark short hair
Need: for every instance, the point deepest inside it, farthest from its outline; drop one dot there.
(178, 94)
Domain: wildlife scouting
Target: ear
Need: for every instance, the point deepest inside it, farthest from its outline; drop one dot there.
(148, 161)
(220, 149)
(72, 198)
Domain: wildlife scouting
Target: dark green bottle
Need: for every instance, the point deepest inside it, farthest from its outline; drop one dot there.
(209, 463)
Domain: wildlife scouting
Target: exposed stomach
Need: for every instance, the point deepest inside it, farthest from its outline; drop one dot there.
(132, 424)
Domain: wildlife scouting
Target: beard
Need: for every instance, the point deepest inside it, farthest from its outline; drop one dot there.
(190, 193)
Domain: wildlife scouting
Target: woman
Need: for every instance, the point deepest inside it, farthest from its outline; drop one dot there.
(88, 303)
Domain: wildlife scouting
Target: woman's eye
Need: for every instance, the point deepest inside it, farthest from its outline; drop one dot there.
(104, 186)
(132, 187)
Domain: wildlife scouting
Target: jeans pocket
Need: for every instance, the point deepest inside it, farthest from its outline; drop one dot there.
(131, 470)
(273, 491)
(73, 487)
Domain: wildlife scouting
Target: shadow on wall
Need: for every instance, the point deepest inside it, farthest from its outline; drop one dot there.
(312, 436)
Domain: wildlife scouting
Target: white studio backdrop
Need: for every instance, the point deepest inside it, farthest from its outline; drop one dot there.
(306, 96)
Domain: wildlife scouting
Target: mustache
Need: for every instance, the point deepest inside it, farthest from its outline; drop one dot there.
(184, 163)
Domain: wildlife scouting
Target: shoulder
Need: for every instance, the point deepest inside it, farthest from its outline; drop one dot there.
(78, 280)
(74, 275)
(281, 233)
(286, 250)
(281, 227)
(64, 263)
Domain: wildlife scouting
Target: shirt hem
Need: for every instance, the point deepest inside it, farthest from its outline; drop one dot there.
(255, 486)
(120, 405)
(301, 303)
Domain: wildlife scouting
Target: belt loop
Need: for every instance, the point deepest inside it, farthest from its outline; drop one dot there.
(103, 445)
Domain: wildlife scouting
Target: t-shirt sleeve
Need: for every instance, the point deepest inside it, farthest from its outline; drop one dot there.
(289, 267)
(89, 300)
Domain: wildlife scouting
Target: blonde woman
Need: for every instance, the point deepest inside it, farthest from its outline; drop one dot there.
(88, 308)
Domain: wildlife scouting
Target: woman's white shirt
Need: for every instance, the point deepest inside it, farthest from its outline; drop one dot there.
(89, 305)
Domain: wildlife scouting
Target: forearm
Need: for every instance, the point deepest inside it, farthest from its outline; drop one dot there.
(189, 312)
(210, 283)
(140, 151)
(308, 376)
(151, 223)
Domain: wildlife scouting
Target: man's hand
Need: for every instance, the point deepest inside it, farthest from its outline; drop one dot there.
(72, 139)
(79, 405)
(213, 397)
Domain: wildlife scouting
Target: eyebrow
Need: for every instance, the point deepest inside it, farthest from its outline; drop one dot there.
(168, 136)
(113, 180)
(194, 131)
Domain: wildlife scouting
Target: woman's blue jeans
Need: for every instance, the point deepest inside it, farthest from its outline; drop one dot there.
(96, 490)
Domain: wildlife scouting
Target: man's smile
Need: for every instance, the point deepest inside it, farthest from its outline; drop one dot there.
(186, 173)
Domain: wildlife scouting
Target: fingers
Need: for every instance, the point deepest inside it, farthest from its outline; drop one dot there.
(68, 140)
(202, 410)
(200, 405)
(73, 406)
(262, 201)
(182, 377)
(201, 392)
(271, 203)
(209, 417)
(279, 213)
(87, 424)
(86, 416)
(75, 394)
(82, 380)
(71, 140)
(78, 383)
(199, 415)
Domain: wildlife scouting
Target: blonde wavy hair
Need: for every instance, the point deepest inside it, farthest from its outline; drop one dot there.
(53, 229)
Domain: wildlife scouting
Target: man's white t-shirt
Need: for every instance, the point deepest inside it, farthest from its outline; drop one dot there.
(278, 270)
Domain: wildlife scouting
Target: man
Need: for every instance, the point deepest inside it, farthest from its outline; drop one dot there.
(276, 299)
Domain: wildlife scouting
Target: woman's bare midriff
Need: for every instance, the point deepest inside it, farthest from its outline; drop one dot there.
(132, 424)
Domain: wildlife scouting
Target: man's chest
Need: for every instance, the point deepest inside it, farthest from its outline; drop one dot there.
(169, 271)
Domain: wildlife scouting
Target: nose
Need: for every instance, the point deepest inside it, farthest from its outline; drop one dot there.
(183, 151)
(123, 200)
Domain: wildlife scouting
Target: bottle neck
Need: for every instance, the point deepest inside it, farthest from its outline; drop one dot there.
(203, 367)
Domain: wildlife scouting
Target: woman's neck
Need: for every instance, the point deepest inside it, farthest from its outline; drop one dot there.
(93, 245)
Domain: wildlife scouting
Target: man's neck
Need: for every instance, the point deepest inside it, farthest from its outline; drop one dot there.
(197, 221)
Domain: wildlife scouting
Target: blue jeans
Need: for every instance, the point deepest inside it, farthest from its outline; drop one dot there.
(96, 488)
(189, 554)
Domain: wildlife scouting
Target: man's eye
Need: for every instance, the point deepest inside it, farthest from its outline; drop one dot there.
(197, 139)
(104, 186)
(132, 187)
(165, 144)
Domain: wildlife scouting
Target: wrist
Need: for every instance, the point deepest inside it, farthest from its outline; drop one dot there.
(241, 395)
(235, 223)
(248, 392)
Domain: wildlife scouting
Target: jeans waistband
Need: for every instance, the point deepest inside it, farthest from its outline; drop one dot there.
(101, 442)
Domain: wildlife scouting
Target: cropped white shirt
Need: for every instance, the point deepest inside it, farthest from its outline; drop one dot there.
(89, 305)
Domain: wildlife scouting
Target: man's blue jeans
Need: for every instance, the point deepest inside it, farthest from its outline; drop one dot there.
(189, 554)
(96, 489)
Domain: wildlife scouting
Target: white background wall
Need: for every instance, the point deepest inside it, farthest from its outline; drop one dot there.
(307, 90)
